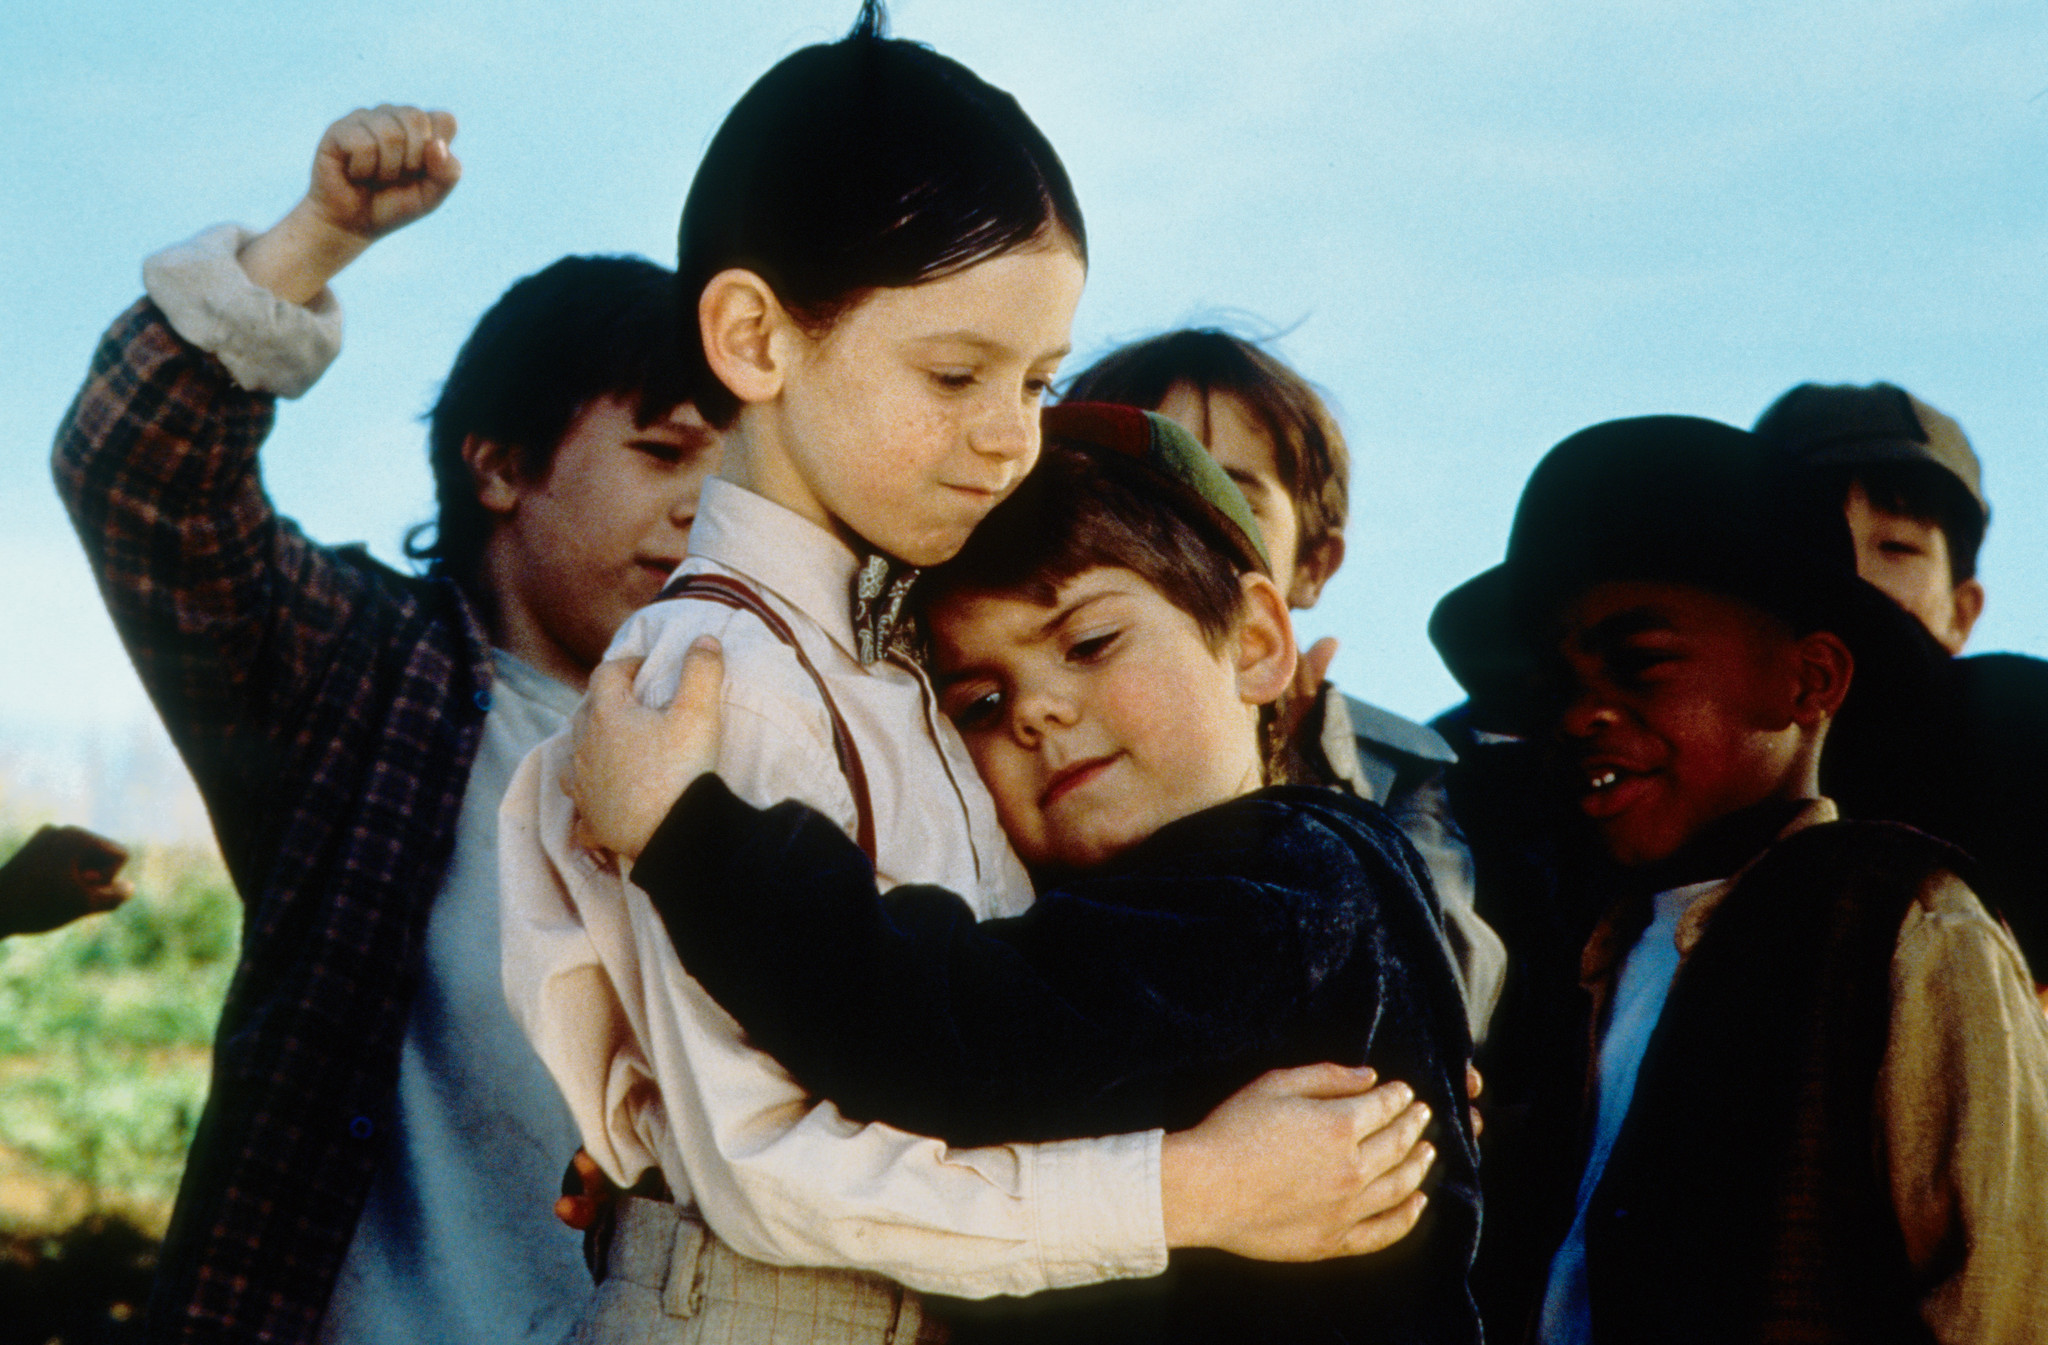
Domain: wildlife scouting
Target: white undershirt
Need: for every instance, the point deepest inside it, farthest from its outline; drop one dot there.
(459, 1241)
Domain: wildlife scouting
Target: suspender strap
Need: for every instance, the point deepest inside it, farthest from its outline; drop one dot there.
(731, 592)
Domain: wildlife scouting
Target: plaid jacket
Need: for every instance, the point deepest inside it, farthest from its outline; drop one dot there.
(330, 709)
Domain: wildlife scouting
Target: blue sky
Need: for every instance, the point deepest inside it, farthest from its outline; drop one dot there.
(1481, 226)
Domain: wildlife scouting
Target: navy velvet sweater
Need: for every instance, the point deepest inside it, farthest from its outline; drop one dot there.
(1290, 926)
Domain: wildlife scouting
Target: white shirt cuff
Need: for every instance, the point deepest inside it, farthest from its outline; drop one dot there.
(268, 345)
(1099, 1211)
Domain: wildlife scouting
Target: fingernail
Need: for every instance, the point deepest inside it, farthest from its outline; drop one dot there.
(1422, 1111)
(1404, 1093)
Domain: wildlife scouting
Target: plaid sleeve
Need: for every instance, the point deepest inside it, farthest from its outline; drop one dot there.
(228, 611)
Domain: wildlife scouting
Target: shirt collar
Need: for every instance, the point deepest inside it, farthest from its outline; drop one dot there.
(1623, 925)
(781, 550)
(1694, 923)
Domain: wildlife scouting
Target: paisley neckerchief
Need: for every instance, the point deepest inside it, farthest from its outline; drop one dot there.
(882, 629)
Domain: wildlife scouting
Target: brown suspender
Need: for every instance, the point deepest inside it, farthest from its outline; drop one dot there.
(731, 592)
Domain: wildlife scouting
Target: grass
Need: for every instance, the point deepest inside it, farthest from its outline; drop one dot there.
(105, 1032)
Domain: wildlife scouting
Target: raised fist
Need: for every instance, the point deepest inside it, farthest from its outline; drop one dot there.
(61, 874)
(381, 168)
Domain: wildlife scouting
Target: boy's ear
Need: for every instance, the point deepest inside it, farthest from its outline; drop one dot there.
(1314, 570)
(1825, 668)
(494, 470)
(1969, 605)
(1263, 643)
(745, 330)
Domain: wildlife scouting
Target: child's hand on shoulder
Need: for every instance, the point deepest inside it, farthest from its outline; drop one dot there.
(631, 762)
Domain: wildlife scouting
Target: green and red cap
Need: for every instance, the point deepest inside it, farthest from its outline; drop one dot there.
(1157, 456)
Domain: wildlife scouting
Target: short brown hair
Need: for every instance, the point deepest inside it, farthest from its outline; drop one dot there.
(1308, 447)
(1071, 515)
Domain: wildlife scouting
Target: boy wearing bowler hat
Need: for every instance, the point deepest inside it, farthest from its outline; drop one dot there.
(1815, 1080)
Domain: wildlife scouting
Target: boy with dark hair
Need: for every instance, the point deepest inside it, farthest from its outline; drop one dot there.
(1816, 1103)
(1969, 762)
(380, 1146)
(1273, 433)
(1910, 487)
(1107, 643)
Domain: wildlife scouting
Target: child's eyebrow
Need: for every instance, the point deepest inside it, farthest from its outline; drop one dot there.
(1619, 627)
(672, 436)
(980, 342)
(942, 680)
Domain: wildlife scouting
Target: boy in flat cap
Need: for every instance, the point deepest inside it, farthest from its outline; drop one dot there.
(1280, 442)
(1909, 485)
(1970, 764)
(1813, 1102)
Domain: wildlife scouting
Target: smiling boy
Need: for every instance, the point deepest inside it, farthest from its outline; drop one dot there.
(1276, 437)
(380, 1143)
(1817, 1100)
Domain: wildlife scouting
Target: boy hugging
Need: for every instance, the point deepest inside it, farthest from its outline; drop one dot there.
(1816, 1103)
(1109, 644)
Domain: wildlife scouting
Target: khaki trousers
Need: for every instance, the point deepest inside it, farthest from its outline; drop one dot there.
(668, 1280)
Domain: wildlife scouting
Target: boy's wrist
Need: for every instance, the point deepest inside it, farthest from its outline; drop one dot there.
(296, 257)
(1185, 1211)
(265, 344)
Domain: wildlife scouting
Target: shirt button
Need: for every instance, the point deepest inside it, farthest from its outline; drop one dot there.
(483, 701)
(362, 1127)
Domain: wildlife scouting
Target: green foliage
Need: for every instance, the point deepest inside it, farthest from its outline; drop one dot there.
(105, 1032)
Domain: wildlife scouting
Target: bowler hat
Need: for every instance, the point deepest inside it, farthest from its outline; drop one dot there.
(1673, 499)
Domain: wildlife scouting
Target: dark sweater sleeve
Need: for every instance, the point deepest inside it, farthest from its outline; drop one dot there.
(1127, 997)
(233, 618)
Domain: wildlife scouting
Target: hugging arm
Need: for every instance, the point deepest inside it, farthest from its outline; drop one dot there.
(1300, 1164)
(1119, 1001)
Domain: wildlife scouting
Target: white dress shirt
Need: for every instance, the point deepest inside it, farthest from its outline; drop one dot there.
(658, 1075)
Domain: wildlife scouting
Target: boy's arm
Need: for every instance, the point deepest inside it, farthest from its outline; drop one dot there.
(910, 1011)
(1963, 1115)
(226, 608)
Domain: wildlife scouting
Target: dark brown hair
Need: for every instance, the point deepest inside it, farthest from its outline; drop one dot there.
(575, 331)
(1070, 515)
(863, 164)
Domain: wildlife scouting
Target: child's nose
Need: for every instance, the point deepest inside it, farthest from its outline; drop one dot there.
(1009, 433)
(1585, 714)
(1037, 713)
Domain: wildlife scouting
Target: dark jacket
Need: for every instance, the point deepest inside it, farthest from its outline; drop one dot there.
(329, 709)
(1288, 927)
(1968, 764)
(1745, 1198)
